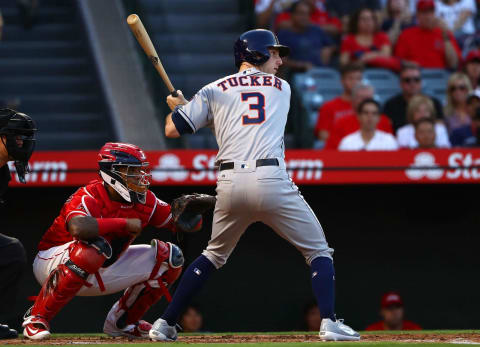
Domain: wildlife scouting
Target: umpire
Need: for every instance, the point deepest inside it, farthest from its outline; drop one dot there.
(17, 132)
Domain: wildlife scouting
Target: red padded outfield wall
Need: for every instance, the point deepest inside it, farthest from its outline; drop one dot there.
(192, 167)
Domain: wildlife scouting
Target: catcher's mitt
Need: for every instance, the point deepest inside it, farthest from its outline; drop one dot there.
(187, 210)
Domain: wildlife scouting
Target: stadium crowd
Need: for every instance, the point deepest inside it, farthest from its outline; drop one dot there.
(401, 37)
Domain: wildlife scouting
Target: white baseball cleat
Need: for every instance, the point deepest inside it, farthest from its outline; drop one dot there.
(161, 331)
(36, 328)
(337, 331)
(133, 331)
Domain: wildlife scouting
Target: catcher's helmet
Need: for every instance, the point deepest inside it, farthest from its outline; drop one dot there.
(124, 167)
(252, 47)
(18, 130)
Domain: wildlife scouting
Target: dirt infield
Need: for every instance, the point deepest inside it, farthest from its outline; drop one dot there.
(460, 338)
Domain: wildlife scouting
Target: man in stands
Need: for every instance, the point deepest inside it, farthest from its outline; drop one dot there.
(392, 313)
(368, 138)
(341, 106)
(349, 124)
(471, 67)
(310, 46)
(411, 83)
(425, 133)
(429, 44)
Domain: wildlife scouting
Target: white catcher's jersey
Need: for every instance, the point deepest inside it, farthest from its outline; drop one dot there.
(247, 112)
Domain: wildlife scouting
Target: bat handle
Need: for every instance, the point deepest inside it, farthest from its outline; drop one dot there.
(174, 93)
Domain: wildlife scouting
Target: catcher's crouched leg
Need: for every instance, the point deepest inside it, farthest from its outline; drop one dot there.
(124, 317)
(63, 283)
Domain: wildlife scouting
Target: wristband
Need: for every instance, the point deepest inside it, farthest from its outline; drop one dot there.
(111, 226)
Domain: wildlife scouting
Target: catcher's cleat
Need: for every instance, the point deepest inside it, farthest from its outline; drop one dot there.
(7, 333)
(337, 331)
(133, 331)
(161, 331)
(36, 328)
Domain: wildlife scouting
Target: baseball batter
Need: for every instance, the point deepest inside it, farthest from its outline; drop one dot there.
(87, 251)
(247, 112)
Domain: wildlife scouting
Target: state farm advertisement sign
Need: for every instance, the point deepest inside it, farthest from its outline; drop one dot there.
(187, 167)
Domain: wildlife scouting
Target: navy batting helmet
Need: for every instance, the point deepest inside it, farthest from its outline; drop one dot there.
(252, 47)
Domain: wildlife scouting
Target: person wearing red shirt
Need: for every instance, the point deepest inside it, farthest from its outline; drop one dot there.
(392, 313)
(340, 106)
(429, 44)
(364, 43)
(349, 124)
(87, 251)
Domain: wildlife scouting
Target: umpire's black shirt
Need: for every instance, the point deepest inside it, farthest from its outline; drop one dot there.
(4, 179)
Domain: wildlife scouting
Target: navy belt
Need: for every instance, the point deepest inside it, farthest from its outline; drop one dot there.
(259, 162)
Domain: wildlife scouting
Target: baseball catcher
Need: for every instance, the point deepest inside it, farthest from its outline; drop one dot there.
(87, 251)
(17, 143)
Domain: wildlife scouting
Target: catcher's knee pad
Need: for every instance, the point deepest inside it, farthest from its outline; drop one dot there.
(137, 299)
(65, 280)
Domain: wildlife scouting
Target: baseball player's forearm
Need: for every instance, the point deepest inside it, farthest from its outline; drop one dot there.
(87, 228)
(170, 128)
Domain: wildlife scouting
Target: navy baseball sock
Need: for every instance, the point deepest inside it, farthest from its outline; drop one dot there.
(191, 282)
(323, 284)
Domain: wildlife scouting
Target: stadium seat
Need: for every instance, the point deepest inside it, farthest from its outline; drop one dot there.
(435, 83)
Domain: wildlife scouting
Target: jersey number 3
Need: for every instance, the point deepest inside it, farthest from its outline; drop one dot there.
(259, 107)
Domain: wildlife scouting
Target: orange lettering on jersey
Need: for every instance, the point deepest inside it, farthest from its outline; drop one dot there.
(267, 80)
(222, 84)
(232, 81)
(278, 83)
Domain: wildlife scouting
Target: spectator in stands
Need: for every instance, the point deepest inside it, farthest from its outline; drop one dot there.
(364, 42)
(311, 317)
(344, 9)
(458, 89)
(309, 45)
(392, 313)
(398, 18)
(368, 138)
(428, 44)
(318, 16)
(349, 124)
(341, 106)
(472, 67)
(411, 84)
(267, 10)
(1, 25)
(458, 16)
(419, 107)
(467, 135)
(425, 133)
(191, 320)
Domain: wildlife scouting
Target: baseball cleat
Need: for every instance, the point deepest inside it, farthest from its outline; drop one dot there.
(132, 331)
(337, 331)
(7, 333)
(36, 328)
(161, 331)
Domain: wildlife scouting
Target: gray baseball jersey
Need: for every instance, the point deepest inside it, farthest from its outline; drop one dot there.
(248, 112)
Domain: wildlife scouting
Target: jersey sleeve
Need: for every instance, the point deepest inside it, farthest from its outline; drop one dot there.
(81, 204)
(162, 216)
(196, 113)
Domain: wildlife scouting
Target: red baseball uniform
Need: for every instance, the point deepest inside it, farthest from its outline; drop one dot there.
(93, 200)
(407, 325)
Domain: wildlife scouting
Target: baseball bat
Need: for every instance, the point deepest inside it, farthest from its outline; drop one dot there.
(143, 39)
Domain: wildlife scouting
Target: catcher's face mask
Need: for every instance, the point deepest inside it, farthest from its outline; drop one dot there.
(17, 132)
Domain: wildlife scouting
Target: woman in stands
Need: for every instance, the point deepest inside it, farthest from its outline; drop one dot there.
(397, 18)
(456, 113)
(365, 43)
(420, 107)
